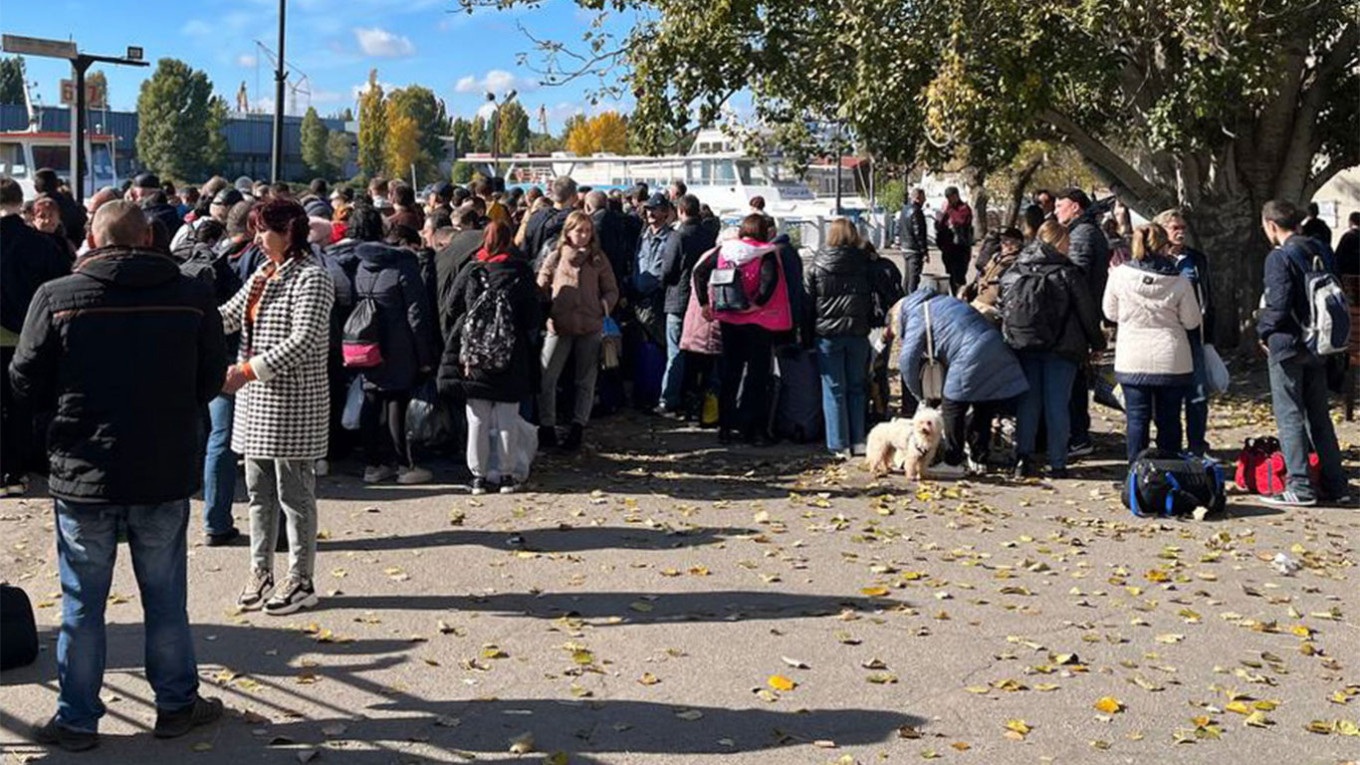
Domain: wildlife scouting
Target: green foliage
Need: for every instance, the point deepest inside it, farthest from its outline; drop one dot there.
(338, 151)
(513, 128)
(430, 119)
(314, 138)
(11, 80)
(372, 127)
(180, 134)
(462, 137)
(891, 195)
(462, 172)
(479, 133)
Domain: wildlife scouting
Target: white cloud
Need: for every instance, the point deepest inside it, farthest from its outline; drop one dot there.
(362, 88)
(246, 60)
(375, 41)
(196, 28)
(496, 81)
(486, 110)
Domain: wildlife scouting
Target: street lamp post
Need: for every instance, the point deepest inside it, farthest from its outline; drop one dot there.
(280, 77)
(80, 63)
(496, 128)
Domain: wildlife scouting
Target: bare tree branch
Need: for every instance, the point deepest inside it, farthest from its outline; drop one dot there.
(1142, 194)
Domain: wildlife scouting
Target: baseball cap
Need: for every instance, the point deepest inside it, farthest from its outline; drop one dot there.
(227, 197)
(656, 200)
(147, 181)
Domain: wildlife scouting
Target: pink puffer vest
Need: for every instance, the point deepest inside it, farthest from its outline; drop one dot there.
(776, 315)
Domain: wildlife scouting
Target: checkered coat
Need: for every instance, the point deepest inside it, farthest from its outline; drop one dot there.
(284, 412)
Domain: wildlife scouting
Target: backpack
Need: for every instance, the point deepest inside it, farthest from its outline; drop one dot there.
(1169, 484)
(1327, 327)
(488, 334)
(18, 630)
(1034, 307)
(1261, 470)
(361, 343)
(728, 289)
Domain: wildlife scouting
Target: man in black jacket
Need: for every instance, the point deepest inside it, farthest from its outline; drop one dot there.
(146, 191)
(127, 351)
(27, 259)
(1298, 377)
(546, 225)
(612, 232)
(690, 241)
(911, 227)
(1089, 250)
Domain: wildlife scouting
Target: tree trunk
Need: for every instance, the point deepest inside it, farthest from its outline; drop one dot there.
(977, 193)
(1227, 229)
(1018, 188)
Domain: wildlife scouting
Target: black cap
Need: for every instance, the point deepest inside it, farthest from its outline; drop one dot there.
(656, 200)
(1012, 233)
(147, 181)
(227, 197)
(443, 189)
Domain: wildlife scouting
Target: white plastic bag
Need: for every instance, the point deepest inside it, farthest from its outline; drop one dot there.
(1216, 378)
(354, 404)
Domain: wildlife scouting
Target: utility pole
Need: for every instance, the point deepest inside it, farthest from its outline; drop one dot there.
(280, 76)
(80, 63)
(496, 128)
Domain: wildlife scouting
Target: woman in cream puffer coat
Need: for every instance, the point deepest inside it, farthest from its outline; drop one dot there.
(1154, 306)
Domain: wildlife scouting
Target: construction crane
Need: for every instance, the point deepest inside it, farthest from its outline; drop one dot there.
(300, 85)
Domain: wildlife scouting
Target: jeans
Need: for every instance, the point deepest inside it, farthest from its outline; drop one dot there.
(385, 445)
(87, 546)
(672, 389)
(1050, 390)
(287, 486)
(913, 263)
(219, 468)
(1148, 404)
(747, 359)
(1079, 408)
(844, 364)
(556, 350)
(1298, 394)
(1197, 402)
(484, 416)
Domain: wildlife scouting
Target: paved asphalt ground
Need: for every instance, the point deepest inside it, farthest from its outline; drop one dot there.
(657, 599)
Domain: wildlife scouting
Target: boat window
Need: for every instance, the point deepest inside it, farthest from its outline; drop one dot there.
(56, 157)
(743, 170)
(12, 160)
(101, 164)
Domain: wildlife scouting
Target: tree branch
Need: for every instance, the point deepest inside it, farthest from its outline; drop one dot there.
(1319, 179)
(1304, 142)
(1141, 194)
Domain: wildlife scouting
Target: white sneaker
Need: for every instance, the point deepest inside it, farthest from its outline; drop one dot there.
(413, 475)
(323, 468)
(378, 473)
(946, 471)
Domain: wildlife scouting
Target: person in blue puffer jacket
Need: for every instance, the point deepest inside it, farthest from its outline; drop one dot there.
(981, 372)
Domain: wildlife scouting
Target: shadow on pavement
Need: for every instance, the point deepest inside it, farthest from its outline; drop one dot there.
(546, 540)
(628, 607)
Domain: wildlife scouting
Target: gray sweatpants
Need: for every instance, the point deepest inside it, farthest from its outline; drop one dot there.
(556, 349)
(484, 416)
(288, 486)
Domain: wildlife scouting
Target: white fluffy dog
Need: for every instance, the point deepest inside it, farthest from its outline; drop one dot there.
(909, 444)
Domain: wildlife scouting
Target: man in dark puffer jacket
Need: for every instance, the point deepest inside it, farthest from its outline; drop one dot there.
(127, 351)
(1089, 250)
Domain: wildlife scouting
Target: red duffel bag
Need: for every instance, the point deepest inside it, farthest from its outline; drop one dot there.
(1260, 467)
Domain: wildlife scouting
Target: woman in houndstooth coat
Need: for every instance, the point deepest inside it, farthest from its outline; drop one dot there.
(282, 409)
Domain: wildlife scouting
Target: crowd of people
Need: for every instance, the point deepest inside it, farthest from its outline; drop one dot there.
(156, 341)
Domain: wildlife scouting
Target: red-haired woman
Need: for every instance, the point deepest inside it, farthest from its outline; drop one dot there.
(491, 355)
(280, 425)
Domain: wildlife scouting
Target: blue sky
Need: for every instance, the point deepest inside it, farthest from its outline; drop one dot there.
(334, 42)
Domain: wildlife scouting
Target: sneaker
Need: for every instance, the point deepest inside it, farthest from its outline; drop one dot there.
(175, 724)
(53, 733)
(1082, 449)
(481, 486)
(1058, 474)
(295, 595)
(1289, 498)
(258, 589)
(574, 436)
(547, 437)
(413, 475)
(16, 488)
(508, 485)
(859, 450)
(378, 473)
(944, 470)
(223, 539)
(323, 468)
(1024, 469)
(974, 467)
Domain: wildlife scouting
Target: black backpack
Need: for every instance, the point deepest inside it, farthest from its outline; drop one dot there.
(1169, 484)
(361, 344)
(18, 630)
(488, 335)
(1034, 307)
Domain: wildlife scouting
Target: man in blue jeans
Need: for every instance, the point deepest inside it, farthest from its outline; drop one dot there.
(1298, 378)
(126, 351)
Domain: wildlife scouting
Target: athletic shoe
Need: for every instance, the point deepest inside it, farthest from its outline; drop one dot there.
(258, 588)
(974, 467)
(946, 471)
(378, 473)
(16, 488)
(175, 724)
(574, 436)
(223, 539)
(295, 595)
(1289, 498)
(859, 450)
(1058, 474)
(413, 475)
(1024, 468)
(1083, 449)
(508, 485)
(323, 468)
(481, 486)
(55, 734)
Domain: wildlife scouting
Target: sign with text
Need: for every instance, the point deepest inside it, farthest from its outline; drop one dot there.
(94, 95)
